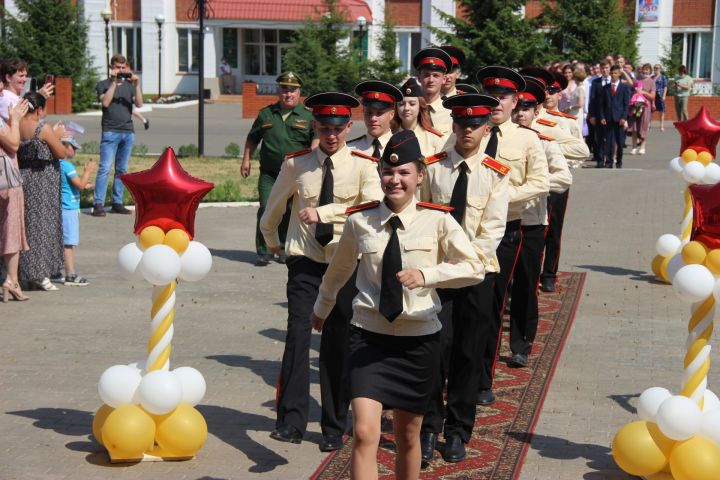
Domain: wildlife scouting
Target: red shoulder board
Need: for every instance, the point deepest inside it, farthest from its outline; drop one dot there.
(435, 206)
(545, 137)
(364, 155)
(493, 164)
(529, 128)
(355, 139)
(548, 123)
(435, 158)
(562, 114)
(298, 153)
(362, 206)
(460, 92)
(432, 130)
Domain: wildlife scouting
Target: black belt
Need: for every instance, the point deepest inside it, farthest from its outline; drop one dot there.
(512, 226)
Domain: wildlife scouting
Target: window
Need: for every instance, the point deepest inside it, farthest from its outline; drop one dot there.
(696, 52)
(263, 50)
(188, 43)
(127, 41)
(409, 45)
(229, 46)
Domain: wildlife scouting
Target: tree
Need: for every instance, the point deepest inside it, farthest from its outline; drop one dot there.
(387, 66)
(494, 32)
(52, 37)
(588, 30)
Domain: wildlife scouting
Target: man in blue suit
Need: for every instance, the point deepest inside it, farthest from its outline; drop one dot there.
(616, 100)
(594, 112)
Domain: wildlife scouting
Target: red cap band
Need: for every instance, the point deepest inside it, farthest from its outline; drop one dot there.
(337, 110)
(541, 80)
(499, 82)
(433, 61)
(555, 84)
(470, 111)
(528, 97)
(378, 96)
(455, 60)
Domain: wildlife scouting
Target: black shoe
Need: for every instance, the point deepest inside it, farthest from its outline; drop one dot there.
(608, 165)
(486, 396)
(263, 260)
(118, 208)
(518, 360)
(286, 433)
(428, 441)
(618, 165)
(330, 443)
(98, 211)
(282, 258)
(547, 284)
(146, 123)
(600, 165)
(454, 449)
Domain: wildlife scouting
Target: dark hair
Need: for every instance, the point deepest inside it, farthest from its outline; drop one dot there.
(682, 70)
(118, 59)
(615, 67)
(35, 101)
(11, 66)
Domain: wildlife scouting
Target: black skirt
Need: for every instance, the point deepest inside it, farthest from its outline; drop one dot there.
(395, 371)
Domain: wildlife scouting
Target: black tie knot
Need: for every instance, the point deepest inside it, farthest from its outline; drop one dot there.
(328, 163)
(376, 143)
(463, 167)
(495, 129)
(395, 223)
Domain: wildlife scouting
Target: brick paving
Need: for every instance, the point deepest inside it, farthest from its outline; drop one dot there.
(628, 335)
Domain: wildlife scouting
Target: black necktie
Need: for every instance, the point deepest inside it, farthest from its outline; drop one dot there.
(459, 194)
(391, 290)
(491, 149)
(376, 151)
(443, 97)
(324, 231)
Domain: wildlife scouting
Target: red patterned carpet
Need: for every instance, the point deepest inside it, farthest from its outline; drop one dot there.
(502, 431)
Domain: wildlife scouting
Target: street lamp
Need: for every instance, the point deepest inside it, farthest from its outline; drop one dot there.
(361, 22)
(159, 19)
(106, 14)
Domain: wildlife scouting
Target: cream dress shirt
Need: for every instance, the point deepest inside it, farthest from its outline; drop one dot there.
(442, 121)
(568, 124)
(430, 143)
(364, 143)
(572, 148)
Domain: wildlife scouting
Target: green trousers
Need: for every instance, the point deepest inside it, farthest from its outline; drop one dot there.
(265, 184)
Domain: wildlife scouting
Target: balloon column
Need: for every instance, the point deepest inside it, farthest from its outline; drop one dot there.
(148, 410)
(678, 436)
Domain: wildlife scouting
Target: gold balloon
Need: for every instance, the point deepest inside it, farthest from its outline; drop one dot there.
(150, 236)
(689, 155)
(695, 459)
(660, 476)
(704, 157)
(99, 420)
(655, 265)
(128, 432)
(639, 448)
(712, 261)
(177, 239)
(663, 269)
(694, 253)
(181, 432)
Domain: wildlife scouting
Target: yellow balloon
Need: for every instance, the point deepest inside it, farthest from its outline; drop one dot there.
(694, 253)
(704, 157)
(663, 269)
(150, 236)
(99, 420)
(177, 239)
(712, 261)
(689, 155)
(660, 476)
(181, 432)
(639, 448)
(128, 432)
(655, 265)
(695, 459)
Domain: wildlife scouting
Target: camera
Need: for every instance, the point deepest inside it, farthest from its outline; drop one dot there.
(124, 76)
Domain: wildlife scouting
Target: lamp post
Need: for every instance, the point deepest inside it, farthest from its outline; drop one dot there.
(361, 23)
(159, 19)
(106, 14)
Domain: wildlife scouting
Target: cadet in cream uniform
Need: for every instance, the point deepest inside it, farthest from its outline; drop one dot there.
(551, 114)
(477, 187)
(407, 249)
(521, 150)
(431, 65)
(323, 183)
(431, 140)
(457, 57)
(378, 100)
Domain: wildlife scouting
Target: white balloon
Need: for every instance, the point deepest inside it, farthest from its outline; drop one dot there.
(711, 426)
(195, 262)
(118, 384)
(649, 402)
(711, 402)
(693, 283)
(674, 265)
(679, 418)
(667, 245)
(128, 259)
(712, 174)
(693, 171)
(160, 392)
(193, 385)
(676, 165)
(160, 265)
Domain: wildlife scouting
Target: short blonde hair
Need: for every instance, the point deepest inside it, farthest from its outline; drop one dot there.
(579, 74)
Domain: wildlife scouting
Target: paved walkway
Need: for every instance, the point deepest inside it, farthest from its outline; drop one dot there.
(628, 335)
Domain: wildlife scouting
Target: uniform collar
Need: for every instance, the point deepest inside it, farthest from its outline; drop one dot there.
(335, 157)
(451, 93)
(276, 108)
(406, 216)
(457, 159)
(507, 125)
(437, 104)
(384, 138)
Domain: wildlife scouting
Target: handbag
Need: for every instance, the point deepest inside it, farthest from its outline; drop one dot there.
(9, 175)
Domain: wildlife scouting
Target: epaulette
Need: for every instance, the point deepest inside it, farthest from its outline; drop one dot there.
(298, 153)
(435, 158)
(435, 206)
(364, 155)
(561, 114)
(529, 128)
(540, 135)
(432, 130)
(362, 206)
(356, 139)
(545, 122)
(493, 164)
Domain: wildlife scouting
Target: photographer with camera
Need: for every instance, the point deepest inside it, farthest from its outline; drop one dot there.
(117, 95)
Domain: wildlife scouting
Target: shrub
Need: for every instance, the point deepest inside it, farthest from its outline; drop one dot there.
(190, 150)
(140, 150)
(232, 150)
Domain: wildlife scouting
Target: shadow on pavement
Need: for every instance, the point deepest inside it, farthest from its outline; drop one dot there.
(598, 457)
(244, 256)
(65, 421)
(615, 271)
(265, 369)
(624, 401)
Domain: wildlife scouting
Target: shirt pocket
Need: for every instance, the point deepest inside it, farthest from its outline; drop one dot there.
(475, 208)
(419, 252)
(309, 192)
(345, 194)
(370, 245)
(510, 154)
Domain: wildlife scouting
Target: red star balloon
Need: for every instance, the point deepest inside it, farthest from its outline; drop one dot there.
(706, 214)
(701, 131)
(166, 195)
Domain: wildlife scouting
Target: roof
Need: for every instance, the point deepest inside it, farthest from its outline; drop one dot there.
(284, 10)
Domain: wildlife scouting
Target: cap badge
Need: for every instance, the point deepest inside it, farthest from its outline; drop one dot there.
(496, 81)
(376, 95)
(408, 91)
(431, 62)
(469, 111)
(333, 110)
(394, 158)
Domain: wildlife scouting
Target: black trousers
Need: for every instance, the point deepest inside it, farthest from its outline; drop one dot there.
(557, 204)
(614, 137)
(293, 395)
(599, 136)
(466, 317)
(524, 307)
(590, 138)
(507, 254)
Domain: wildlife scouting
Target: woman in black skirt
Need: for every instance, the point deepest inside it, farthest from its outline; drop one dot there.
(407, 249)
